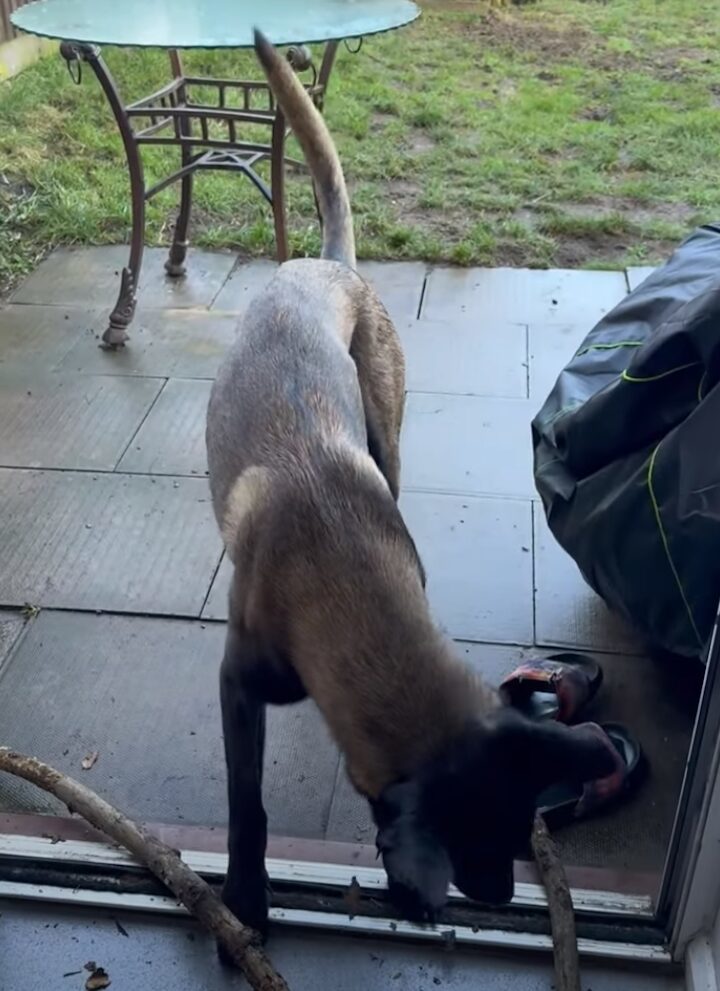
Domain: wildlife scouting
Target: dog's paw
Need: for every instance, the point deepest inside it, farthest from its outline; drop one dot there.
(249, 902)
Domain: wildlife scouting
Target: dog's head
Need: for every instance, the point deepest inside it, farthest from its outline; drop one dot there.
(468, 814)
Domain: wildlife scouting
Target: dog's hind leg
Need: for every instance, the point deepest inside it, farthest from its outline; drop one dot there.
(248, 680)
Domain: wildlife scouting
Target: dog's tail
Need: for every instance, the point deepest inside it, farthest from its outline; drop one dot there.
(320, 153)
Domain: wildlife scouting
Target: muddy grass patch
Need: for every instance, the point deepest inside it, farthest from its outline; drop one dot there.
(608, 231)
(627, 211)
(590, 249)
(381, 119)
(419, 142)
(526, 34)
(532, 34)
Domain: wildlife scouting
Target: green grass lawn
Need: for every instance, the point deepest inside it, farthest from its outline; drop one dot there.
(564, 132)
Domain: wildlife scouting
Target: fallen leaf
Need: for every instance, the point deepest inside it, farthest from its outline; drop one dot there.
(121, 929)
(97, 980)
(91, 966)
(53, 839)
(448, 938)
(353, 898)
(87, 762)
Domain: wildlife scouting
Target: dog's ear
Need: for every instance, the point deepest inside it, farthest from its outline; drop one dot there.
(554, 752)
(416, 863)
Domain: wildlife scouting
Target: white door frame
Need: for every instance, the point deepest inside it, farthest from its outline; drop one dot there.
(690, 895)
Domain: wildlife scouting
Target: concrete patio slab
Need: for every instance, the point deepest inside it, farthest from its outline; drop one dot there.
(468, 444)
(12, 624)
(636, 276)
(171, 441)
(216, 605)
(91, 277)
(464, 357)
(174, 952)
(38, 337)
(69, 421)
(567, 612)
(350, 819)
(551, 347)
(511, 295)
(160, 751)
(114, 542)
(478, 558)
(245, 281)
(177, 343)
(399, 285)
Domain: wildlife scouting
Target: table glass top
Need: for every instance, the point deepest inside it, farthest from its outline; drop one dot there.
(210, 23)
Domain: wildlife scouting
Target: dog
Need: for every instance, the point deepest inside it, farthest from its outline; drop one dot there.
(327, 597)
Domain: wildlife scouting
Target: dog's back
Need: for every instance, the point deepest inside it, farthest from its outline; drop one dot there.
(288, 387)
(316, 366)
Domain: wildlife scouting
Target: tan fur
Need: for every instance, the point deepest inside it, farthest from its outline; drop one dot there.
(353, 457)
(326, 577)
(318, 147)
(244, 498)
(380, 362)
(391, 691)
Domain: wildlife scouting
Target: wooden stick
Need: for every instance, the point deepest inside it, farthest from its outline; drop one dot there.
(164, 862)
(560, 906)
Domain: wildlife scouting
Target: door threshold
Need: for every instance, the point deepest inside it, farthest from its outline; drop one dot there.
(50, 848)
(496, 939)
(63, 860)
(628, 892)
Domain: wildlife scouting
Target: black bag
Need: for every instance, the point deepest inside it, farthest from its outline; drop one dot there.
(627, 451)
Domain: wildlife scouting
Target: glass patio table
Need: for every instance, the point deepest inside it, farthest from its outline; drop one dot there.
(181, 114)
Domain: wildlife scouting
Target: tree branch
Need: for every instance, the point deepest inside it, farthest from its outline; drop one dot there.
(164, 862)
(560, 906)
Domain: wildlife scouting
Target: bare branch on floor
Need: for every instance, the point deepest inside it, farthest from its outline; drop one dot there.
(162, 860)
(560, 906)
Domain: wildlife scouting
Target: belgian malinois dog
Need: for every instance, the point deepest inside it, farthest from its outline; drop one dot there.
(328, 592)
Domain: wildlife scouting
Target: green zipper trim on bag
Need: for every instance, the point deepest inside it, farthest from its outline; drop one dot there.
(666, 545)
(655, 378)
(608, 347)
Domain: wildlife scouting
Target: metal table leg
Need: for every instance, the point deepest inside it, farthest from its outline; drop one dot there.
(175, 264)
(193, 127)
(122, 314)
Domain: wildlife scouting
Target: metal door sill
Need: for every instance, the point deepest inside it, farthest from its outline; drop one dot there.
(62, 860)
(496, 939)
(212, 865)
